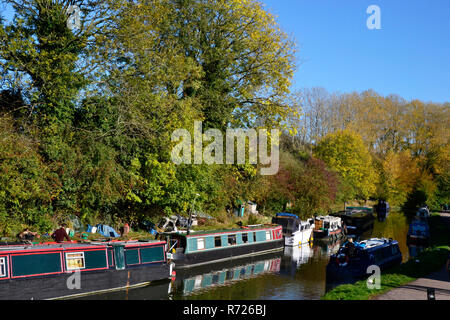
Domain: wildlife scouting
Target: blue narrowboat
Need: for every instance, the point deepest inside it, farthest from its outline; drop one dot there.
(57, 270)
(353, 259)
(204, 247)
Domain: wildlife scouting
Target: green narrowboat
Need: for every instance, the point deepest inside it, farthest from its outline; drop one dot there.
(204, 247)
(55, 270)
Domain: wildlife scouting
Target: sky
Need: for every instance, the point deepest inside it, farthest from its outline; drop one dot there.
(409, 56)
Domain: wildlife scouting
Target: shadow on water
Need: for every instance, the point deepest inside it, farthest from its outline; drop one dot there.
(297, 273)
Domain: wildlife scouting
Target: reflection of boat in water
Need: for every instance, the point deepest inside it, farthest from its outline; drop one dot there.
(199, 279)
(294, 257)
(329, 248)
(419, 232)
(295, 231)
(415, 250)
(357, 219)
(353, 259)
(299, 254)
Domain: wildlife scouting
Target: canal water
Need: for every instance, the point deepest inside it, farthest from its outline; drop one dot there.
(295, 274)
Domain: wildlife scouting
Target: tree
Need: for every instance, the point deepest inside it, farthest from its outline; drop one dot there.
(345, 153)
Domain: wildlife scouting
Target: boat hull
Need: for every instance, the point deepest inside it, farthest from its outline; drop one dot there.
(227, 253)
(59, 286)
(328, 236)
(298, 238)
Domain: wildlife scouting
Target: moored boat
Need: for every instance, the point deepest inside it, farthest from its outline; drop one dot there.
(328, 228)
(382, 208)
(353, 259)
(357, 219)
(56, 270)
(295, 231)
(203, 247)
(423, 213)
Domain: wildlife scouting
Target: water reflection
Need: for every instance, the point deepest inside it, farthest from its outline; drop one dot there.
(294, 257)
(415, 250)
(228, 275)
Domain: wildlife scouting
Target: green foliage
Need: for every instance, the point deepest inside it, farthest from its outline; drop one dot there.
(345, 153)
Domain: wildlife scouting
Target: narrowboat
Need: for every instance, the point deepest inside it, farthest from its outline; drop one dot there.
(61, 270)
(194, 248)
(382, 208)
(419, 232)
(357, 220)
(295, 231)
(423, 214)
(353, 259)
(328, 228)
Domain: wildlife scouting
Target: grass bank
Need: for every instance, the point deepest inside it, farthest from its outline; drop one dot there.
(430, 260)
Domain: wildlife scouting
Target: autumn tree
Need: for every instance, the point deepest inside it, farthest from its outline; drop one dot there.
(345, 153)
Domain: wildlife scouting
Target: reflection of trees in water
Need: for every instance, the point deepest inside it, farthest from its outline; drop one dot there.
(395, 227)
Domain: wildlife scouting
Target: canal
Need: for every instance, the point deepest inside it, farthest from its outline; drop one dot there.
(295, 274)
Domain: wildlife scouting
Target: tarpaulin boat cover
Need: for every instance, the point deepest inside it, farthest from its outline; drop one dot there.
(107, 231)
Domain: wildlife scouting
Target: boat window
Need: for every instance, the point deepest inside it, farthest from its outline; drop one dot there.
(254, 236)
(232, 239)
(200, 243)
(326, 225)
(3, 267)
(75, 260)
(218, 241)
(245, 237)
(268, 235)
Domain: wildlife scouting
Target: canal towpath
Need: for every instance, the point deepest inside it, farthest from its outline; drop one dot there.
(417, 290)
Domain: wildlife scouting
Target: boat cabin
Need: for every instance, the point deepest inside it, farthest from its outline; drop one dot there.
(24, 261)
(202, 247)
(291, 223)
(328, 223)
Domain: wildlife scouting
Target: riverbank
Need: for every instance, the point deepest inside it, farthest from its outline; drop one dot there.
(429, 261)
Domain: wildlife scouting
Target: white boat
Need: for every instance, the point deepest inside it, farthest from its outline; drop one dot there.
(296, 232)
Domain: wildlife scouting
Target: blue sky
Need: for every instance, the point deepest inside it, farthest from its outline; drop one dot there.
(409, 56)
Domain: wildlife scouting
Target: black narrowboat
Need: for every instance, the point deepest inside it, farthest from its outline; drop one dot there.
(58, 270)
(353, 259)
(382, 208)
(204, 247)
(357, 219)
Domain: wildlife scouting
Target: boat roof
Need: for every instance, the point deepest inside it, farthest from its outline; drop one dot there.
(287, 215)
(72, 245)
(194, 233)
(328, 218)
(375, 242)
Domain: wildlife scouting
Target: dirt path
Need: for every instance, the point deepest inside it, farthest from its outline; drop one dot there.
(417, 290)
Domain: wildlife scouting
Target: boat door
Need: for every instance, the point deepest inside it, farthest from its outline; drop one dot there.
(119, 256)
